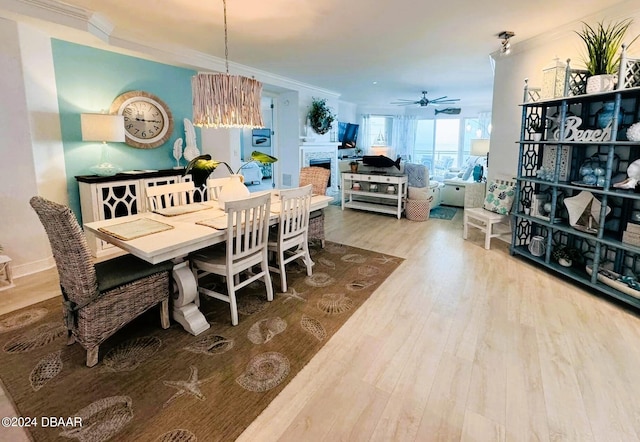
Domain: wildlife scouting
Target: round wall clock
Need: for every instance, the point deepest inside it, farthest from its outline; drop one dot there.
(148, 122)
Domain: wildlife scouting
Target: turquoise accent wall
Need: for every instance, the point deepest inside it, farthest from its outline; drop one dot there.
(88, 81)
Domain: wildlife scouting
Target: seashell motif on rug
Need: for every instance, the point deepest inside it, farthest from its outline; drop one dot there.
(19, 320)
(179, 435)
(249, 305)
(327, 263)
(265, 330)
(359, 284)
(36, 338)
(386, 259)
(319, 280)
(335, 249)
(335, 303)
(102, 419)
(314, 327)
(46, 369)
(129, 355)
(368, 271)
(211, 345)
(264, 372)
(354, 257)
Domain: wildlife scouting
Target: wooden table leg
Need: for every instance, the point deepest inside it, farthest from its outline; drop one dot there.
(185, 309)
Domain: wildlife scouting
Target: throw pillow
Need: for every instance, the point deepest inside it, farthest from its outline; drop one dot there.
(499, 198)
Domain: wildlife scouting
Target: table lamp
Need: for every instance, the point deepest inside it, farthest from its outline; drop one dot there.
(104, 128)
(479, 148)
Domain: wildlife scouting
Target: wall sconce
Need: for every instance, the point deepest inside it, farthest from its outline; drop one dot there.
(104, 128)
(506, 44)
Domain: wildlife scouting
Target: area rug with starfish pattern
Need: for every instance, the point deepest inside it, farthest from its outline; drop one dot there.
(167, 385)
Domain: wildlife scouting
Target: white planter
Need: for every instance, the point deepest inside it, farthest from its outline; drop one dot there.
(565, 262)
(536, 136)
(233, 190)
(601, 83)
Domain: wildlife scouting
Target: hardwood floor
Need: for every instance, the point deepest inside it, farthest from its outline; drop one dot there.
(460, 343)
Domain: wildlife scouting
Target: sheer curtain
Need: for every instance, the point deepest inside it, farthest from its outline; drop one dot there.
(404, 135)
(364, 136)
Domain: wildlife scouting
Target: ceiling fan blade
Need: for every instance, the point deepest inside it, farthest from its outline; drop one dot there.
(404, 103)
(438, 99)
(448, 100)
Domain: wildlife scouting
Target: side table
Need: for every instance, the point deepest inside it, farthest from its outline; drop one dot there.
(5, 273)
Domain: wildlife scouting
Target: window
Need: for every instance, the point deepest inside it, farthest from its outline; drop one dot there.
(438, 145)
(379, 125)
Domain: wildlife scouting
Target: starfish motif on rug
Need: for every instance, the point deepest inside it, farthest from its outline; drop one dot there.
(191, 386)
(293, 295)
(385, 259)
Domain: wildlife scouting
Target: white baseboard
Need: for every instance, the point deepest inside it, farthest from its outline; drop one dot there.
(33, 267)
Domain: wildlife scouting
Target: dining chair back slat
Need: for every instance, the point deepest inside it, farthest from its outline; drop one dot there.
(169, 195)
(246, 247)
(214, 186)
(291, 242)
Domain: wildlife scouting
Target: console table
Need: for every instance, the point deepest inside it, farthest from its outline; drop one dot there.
(107, 197)
(374, 193)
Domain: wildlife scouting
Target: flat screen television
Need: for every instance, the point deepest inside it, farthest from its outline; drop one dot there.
(347, 135)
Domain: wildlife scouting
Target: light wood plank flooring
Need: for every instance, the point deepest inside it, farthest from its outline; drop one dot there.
(460, 343)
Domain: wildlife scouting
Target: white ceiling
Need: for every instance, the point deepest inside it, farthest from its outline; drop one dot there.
(406, 46)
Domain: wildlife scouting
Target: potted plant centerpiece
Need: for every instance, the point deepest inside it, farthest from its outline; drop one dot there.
(602, 59)
(565, 255)
(321, 118)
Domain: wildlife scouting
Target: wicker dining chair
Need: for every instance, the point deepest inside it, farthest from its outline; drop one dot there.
(288, 240)
(99, 299)
(318, 177)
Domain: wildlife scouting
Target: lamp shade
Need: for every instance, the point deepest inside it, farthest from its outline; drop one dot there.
(223, 100)
(479, 147)
(102, 127)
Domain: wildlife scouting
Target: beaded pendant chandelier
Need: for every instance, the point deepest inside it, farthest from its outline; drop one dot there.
(223, 100)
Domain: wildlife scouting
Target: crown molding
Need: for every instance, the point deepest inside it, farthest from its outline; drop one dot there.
(98, 25)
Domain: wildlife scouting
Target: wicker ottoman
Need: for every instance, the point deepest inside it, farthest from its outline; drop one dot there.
(418, 210)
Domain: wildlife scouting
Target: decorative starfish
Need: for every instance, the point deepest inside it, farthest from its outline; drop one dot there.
(191, 386)
(293, 295)
(385, 259)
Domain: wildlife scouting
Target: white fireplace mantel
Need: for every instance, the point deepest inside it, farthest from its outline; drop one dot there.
(329, 150)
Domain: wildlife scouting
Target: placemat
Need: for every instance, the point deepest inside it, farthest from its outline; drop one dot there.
(182, 209)
(219, 223)
(135, 229)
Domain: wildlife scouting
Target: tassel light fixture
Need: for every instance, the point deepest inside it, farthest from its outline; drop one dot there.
(223, 100)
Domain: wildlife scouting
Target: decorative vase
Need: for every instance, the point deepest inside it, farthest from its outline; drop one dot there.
(600, 83)
(233, 190)
(536, 246)
(605, 115)
(565, 262)
(354, 168)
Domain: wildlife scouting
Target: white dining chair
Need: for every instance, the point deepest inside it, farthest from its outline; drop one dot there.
(214, 185)
(246, 246)
(290, 241)
(169, 195)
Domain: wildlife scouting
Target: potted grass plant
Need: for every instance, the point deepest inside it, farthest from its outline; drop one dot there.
(603, 49)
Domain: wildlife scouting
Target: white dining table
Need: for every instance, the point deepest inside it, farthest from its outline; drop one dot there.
(182, 236)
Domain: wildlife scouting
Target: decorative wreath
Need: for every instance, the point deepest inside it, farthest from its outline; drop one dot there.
(320, 116)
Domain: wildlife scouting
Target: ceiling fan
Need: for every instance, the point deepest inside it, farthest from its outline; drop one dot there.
(424, 101)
